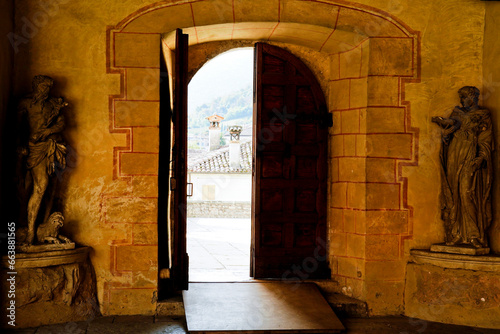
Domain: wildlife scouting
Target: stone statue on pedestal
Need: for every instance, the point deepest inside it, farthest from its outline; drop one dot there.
(43, 153)
(55, 281)
(466, 175)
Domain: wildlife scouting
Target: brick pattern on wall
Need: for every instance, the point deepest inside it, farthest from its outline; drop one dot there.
(133, 207)
(370, 142)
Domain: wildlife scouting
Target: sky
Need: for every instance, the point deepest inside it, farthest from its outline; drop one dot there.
(228, 72)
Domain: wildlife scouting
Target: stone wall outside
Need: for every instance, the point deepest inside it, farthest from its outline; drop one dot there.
(215, 209)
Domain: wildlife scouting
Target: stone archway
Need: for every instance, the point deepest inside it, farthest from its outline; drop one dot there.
(371, 56)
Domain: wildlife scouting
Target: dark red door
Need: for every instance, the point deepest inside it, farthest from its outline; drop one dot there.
(290, 173)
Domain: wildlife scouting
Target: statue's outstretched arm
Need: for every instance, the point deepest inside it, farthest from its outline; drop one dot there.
(443, 122)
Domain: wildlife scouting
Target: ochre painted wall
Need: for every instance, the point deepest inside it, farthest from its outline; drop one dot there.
(69, 42)
(491, 100)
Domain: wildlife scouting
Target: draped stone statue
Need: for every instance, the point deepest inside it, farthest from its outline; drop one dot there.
(466, 172)
(43, 152)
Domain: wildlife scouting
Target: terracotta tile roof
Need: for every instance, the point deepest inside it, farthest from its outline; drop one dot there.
(218, 161)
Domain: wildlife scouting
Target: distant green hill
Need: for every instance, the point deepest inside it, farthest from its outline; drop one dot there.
(233, 106)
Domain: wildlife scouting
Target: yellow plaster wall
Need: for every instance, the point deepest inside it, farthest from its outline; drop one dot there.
(491, 100)
(451, 57)
(70, 45)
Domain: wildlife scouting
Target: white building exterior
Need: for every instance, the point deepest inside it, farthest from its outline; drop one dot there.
(220, 190)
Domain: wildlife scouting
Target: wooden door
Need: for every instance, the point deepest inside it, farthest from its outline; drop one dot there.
(173, 260)
(290, 171)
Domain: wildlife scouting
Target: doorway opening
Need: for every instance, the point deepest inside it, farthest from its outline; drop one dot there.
(219, 176)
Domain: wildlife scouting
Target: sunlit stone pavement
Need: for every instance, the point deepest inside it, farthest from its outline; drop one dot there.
(218, 249)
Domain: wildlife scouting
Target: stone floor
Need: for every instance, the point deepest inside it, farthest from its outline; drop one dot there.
(219, 249)
(169, 325)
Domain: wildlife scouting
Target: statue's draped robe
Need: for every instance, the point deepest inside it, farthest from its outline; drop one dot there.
(50, 150)
(465, 197)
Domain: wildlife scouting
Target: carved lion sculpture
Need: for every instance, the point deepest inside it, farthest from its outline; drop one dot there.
(48, 232)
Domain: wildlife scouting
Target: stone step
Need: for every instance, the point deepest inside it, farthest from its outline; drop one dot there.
(347, 307)
(171, 307)
(344, 306)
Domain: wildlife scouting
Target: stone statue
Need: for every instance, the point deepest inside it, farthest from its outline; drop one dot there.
(466, 171)
(48, 232)
(43, 149)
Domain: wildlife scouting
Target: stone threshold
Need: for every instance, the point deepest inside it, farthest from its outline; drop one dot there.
(489, 262)
(343, 306)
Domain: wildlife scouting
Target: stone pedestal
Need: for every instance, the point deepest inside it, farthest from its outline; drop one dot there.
(44, 248)
(462, 250)
(453, 288)
(52, 287)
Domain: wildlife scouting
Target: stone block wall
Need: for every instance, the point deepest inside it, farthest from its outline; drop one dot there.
(365, 147)
(216, 209)
(371, 140)
(135, 113)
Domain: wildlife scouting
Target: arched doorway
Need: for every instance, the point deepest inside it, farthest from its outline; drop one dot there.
(219, 155)
(290, 141)
(371, 55)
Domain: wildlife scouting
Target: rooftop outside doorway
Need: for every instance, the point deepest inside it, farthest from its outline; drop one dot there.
(220, 118)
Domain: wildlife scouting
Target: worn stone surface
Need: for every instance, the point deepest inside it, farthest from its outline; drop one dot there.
(489, 262)
(345, 306)
(172, 307)
(44, 248)
(457, 296)
(48, 259)
(54, 294)
(443, 248)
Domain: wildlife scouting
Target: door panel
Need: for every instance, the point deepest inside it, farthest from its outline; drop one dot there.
(180, 257)
(165, 286)
(172, 258)
(289, 180)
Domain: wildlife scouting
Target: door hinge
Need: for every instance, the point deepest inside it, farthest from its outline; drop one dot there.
(173, 183)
